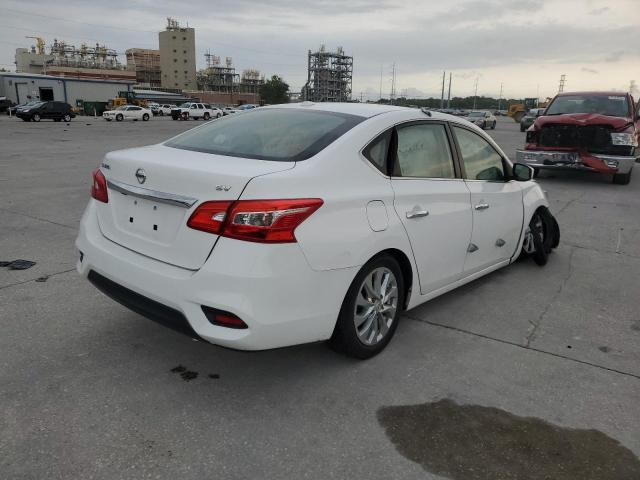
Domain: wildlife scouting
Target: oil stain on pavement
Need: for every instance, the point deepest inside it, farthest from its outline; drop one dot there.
(471, 442)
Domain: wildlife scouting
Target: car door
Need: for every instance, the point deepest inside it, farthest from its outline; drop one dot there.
(135, 113)
(47, 110)
(431, 200)
(496, 201)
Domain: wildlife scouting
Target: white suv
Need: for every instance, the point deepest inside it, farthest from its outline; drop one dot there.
(196, 111)
(307, 222)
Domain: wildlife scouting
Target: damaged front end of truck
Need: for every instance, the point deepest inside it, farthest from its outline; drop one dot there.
(596, 132)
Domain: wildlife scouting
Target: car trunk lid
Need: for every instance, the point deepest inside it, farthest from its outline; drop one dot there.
(154, 190)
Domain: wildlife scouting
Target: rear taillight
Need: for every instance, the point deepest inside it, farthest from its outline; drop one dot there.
(209, 217)
(264, 221)
(99, 187)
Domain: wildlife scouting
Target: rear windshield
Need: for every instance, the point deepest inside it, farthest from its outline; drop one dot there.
(611, 105)
(286, 135)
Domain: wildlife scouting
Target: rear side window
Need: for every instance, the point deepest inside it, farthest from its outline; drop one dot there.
(378, 150)
(423, 151)
(285, 134)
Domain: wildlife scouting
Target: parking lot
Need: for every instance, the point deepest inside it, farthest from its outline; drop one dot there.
(90, 389)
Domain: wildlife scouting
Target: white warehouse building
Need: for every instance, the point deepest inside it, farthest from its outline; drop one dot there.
(26, 87)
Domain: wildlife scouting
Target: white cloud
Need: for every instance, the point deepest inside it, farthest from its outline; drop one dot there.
(525, 44)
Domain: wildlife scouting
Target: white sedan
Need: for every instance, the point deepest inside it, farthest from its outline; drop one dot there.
(127, 112)
(482, 119)
(307, 222)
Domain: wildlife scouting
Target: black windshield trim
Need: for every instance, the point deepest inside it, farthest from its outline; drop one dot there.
(313, 149)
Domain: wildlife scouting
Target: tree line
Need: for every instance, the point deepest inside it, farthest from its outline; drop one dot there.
(481, 103)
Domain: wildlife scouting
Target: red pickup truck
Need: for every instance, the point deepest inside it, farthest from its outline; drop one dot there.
(592, 131)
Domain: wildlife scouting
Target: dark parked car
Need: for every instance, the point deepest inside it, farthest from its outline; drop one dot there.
(530, 117)
(41, 110)
(14, 109)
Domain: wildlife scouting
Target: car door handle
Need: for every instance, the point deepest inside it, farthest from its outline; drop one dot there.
(481, 206)
(417, 213)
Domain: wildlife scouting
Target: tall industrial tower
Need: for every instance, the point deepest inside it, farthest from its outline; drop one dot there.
(329, 76)
(178, 56)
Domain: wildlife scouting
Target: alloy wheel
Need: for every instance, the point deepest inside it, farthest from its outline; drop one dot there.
(528, 245)
(376, 305)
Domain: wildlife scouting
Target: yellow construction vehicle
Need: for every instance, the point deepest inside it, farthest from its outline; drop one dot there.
(519, 110)
(126, 98)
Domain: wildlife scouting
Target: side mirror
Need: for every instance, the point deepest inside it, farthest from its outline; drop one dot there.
(522, 172)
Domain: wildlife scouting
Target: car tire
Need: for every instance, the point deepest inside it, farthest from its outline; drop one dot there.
(367, 294)
(493, 127)
(218, 115)
(543, 235)
(536, 172)
(119, 117)
(622, 178)
(35, 117)
(206, 116)
(66, 117)
(522, 129)
(145, 117)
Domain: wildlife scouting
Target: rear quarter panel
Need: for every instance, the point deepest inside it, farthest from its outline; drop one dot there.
(339, 235)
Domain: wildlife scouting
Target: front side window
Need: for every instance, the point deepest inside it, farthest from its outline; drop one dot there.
(279, 134)
(481, 161)
(423, 151)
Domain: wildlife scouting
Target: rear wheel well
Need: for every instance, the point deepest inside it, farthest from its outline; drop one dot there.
(405, 267)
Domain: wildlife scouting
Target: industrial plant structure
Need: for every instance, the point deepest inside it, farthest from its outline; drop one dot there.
(66, 60)
(329, 76)
(224, 78)
(178, 56)
(168, 73)
(146, 63)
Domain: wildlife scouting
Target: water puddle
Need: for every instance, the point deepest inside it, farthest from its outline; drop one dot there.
(470, 442)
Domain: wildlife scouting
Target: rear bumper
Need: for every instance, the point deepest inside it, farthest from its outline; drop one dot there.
(558, 160)
(271, 288)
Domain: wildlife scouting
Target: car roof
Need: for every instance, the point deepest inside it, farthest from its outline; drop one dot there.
(361, 109)
(594, 94)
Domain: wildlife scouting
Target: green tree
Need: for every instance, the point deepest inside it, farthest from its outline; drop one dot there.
(274, 91)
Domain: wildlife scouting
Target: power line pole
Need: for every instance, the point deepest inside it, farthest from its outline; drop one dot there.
(500, 97)
(393, 83)
(449, 94)
(380, 98)
(475, 95)
(563, 81)
(442, 96)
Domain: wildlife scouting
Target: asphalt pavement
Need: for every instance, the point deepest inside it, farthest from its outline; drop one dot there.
(546, 357)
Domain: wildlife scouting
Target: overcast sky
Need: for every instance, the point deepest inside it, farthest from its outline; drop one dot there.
(524, 44)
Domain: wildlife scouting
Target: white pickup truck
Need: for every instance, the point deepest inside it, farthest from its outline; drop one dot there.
(195, 110)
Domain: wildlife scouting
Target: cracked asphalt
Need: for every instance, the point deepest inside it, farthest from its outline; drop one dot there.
(91, 390)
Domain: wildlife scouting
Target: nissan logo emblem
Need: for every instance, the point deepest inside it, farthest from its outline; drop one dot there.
(141, 175)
